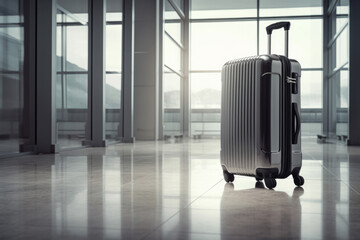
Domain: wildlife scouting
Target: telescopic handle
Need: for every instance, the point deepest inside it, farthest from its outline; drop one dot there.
(278, 25)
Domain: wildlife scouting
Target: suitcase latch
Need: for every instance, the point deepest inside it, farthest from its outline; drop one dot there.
(290, 79)
(294, 79)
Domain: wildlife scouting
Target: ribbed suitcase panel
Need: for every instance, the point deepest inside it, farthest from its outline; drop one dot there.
(238, 116)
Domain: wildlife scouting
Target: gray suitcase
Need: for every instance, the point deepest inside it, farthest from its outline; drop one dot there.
(260, 119)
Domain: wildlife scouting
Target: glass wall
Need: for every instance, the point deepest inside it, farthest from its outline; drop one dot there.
(226, 30)
(113, 126)
(13, 116)
(173, 67)
(72, 120)
(338, 71)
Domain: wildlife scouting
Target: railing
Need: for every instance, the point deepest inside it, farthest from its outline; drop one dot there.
(203, 121)
(207, 121)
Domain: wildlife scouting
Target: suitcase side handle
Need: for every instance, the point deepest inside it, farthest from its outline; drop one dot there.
(278, 25)
(296, 118)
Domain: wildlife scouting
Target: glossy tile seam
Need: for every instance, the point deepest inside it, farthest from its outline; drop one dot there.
(181, 209)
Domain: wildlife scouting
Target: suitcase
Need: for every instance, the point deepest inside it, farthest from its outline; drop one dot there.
(260, 119)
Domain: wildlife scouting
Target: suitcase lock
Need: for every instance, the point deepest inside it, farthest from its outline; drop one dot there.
(290, 79)
(294, 79)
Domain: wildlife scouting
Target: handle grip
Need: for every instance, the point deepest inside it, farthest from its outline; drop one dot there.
(296, 118)
(278, 25)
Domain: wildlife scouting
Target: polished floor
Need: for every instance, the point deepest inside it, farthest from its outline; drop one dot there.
(169, 190)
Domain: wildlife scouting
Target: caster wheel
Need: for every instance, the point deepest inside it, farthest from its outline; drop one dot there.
(228, 177)
(299, 180)
(258, 179)
(259, 185)
(270, 183)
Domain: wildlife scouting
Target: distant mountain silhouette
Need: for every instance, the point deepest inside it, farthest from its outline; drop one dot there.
(206, 98)
(211, 98)
(77, 89)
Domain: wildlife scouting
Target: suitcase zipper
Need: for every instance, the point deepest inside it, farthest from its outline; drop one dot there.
(286, 139)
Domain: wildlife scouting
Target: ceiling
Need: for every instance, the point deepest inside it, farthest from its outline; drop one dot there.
(81, 6)
(251, 4)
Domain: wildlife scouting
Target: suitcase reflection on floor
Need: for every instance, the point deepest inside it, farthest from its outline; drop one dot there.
(260, 212)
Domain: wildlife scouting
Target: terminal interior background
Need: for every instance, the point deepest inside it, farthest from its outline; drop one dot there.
(110, 119)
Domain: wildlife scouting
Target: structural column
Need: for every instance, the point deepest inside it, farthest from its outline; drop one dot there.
(29, 76)
(128, 71)
(186, 81)
(97, 71)
(146, 70)
(354, 83)
(46, 76)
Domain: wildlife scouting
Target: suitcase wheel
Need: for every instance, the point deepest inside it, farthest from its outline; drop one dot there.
(299, 180)
(228, 177)
(270, 183)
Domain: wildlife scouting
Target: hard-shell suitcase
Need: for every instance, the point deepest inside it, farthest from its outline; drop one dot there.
(260, 119)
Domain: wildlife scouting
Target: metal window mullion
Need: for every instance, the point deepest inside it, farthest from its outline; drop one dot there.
(174, 41)
(219, 71)
(332, 7)
(205, 71)
(69, 14)
(326, 61)
(71, 23)
(72, 72)
(173, 20)
(114, 22)
(5, 53)
(336, 70)
(161, 69)
(7, 25)
(8, 71)
(173, 71)
(333, 40)
(63, 62)
(177, 9)
(311, 69)
(257, 27)
(89, 120)
(198, 20)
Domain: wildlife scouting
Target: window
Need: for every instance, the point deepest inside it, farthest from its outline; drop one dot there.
(213, 44)
(205, 90)
(113, 125)
(72, 74)
(172, 103)
(13, 105)
(338, 71)
(173, 68)
(275, 8)
(205, 9)
(225, 30)
(307, 50)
